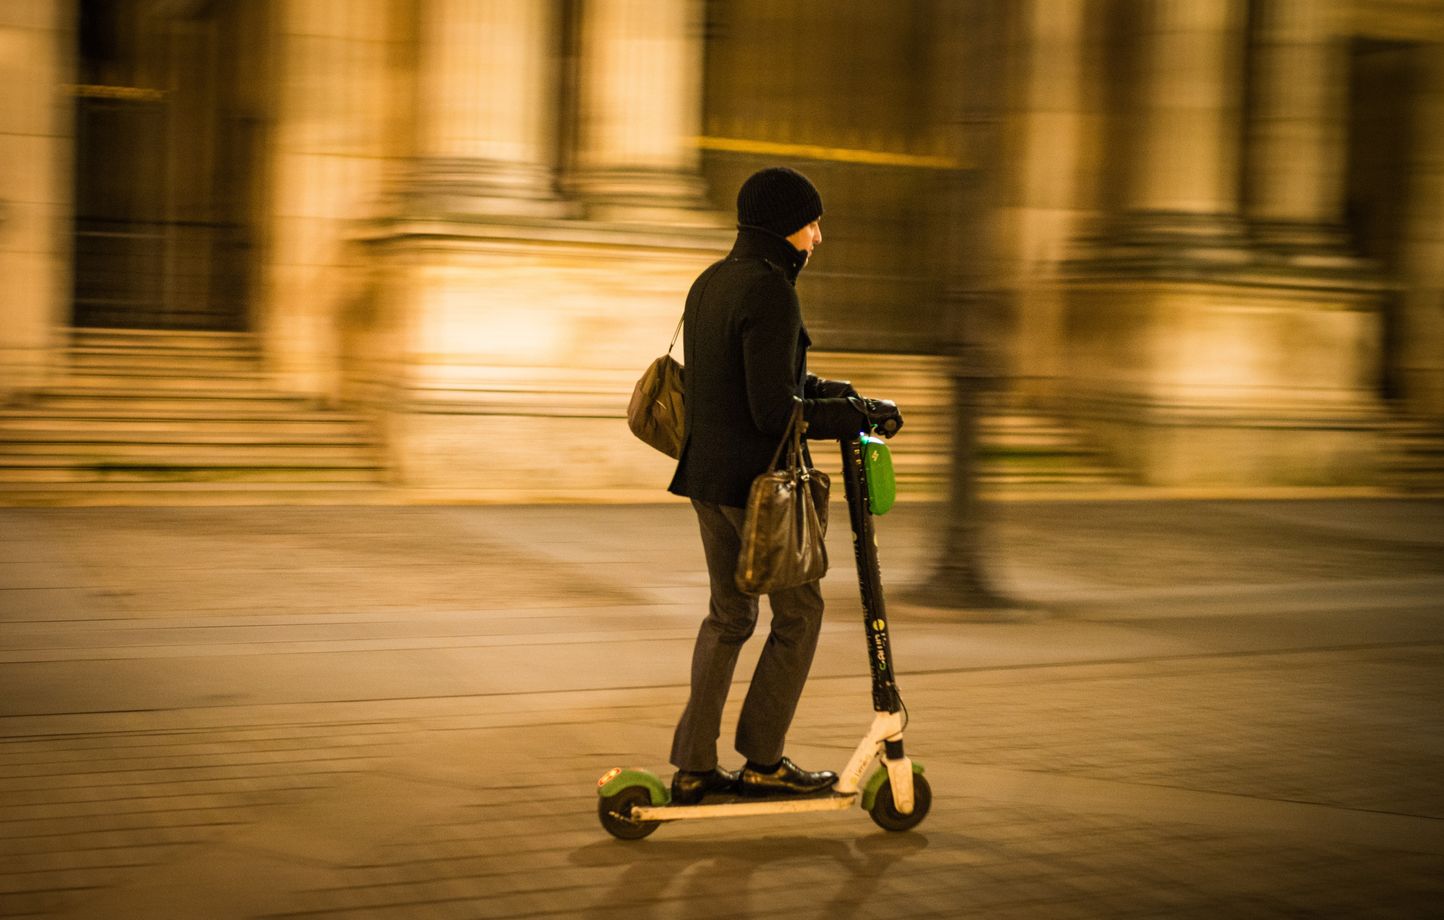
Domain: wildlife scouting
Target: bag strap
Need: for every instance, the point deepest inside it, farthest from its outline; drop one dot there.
(676, 333)
(794, 458)
(792, 438)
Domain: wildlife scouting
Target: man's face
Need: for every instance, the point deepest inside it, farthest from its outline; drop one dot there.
(808, 237)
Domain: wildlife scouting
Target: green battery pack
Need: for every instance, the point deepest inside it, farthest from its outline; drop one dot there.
(877, 466)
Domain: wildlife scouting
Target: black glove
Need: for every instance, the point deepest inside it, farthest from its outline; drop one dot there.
(881, 414)
(832, 389)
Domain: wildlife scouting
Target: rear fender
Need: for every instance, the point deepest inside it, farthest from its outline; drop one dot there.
(618, 778)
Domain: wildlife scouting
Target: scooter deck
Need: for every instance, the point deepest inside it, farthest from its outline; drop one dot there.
(742, 806)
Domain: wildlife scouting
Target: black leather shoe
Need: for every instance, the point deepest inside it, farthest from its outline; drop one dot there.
(689, 788)
(787, 779)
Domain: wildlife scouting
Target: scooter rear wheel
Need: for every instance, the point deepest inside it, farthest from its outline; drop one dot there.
(884, 811)
(616, 813)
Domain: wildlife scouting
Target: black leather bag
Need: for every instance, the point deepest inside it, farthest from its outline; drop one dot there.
(656, 413)
(785, 522)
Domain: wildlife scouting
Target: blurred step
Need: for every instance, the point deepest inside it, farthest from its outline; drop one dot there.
(1025, 431)
(198, 469)
(210, 342)
(31, 424)
(199, 451)
(1038, 454)
(1049, 478)
(169, 433)
(120, 493)
(138, 402)
(120, 355)
(1413, 456)
(104, 362)
(163, 358)
(172, 380)
(182, 414)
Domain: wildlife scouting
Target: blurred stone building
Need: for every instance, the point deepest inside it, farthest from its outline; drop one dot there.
(274, 246)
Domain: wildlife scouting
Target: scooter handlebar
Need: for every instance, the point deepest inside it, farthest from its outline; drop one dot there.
(881, 414)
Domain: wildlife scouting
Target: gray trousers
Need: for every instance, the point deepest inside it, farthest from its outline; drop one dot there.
(781, 671)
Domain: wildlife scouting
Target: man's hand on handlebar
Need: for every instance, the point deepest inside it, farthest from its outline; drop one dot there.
(881, 414)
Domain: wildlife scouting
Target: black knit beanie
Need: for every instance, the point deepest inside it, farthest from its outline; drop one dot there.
(778, 199)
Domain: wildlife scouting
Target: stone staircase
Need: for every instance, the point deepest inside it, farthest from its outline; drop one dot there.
(1413, 453)
(147, 416)
(1025, 449)
(1019, 450)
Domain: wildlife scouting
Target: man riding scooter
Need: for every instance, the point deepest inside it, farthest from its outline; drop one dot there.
(745, 348)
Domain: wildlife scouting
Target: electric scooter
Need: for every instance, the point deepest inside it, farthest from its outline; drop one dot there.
(634, 802)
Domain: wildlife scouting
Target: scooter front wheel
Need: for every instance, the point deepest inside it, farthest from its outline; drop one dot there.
(616, 813)
(884, 811)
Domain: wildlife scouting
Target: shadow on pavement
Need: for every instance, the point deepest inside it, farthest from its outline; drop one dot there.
(652, 872)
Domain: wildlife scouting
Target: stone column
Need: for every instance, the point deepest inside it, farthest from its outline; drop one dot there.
(640, 109)
(1191, 86)
(36, 148)
(329, 131)
(1296, 144)
(487, 108)
(1053, 133)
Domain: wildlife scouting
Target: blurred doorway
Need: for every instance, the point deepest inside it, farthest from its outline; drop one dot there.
(163, 165)
(1383, 93)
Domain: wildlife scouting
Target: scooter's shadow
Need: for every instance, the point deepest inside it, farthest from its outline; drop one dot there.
(659, 871)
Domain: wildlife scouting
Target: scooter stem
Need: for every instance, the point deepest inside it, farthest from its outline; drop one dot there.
(885, 737)
(869, 577)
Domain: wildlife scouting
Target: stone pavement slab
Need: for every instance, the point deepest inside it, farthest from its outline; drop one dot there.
(1213, 709)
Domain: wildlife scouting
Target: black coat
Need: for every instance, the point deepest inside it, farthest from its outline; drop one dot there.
(745, 353)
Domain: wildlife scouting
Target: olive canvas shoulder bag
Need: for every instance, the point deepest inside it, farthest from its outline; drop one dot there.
(656, 413)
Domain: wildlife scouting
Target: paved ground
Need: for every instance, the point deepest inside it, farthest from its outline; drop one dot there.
(1218, 709)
